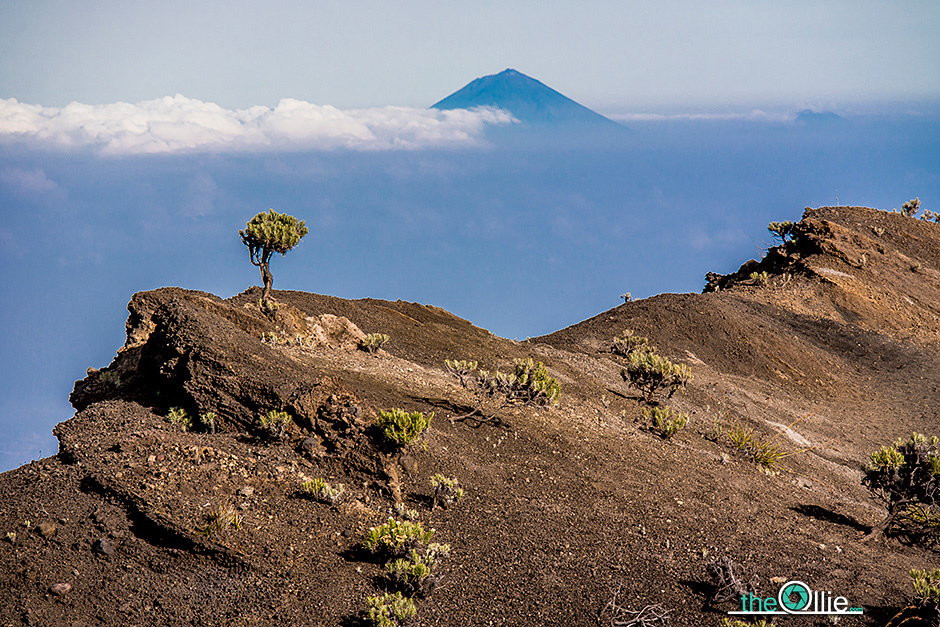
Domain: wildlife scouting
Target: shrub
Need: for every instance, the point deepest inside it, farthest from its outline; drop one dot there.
(397, 538)
(268, 233)
(629, 342)
(760, 278)
(415, 574)
(401, 510)
(910, 208)
(464, 370)
(179, 418)
(207, 421)
(929, 216)
(267, 306)
(652, 373)
(765, 453)
(220, 519)
(924, 608)
(273, 425)
(400, 427)
(447, 491)
(666, 420)
(729, 581)
(388, 610)
(322, 491)
(373, 342)
(784, 231)
(528, 384)
(110, 378)
(905, 477)
(926, 586)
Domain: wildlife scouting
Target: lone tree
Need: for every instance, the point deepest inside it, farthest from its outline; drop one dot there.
(268, 233)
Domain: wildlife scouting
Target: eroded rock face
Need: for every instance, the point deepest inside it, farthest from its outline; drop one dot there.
(335, 331)
(195, 351)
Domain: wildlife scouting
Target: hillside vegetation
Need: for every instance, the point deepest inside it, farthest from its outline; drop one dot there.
(228, 465)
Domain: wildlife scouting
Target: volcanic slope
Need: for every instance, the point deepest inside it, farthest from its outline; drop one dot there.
(529, 101)
(566, 505)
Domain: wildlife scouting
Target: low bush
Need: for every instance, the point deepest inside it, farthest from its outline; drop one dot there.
(319, 490)
(528, 384)
(268, 307)
(760, 278)
(447, 490)
(652, 374)
(767, 453)
(207, 421)
(403, 511)
(397, 538)
(910, 208)
(924, 607)
(180, 419)
(221, 519)
(629, 342)
(417, 573)
(388, 610)
(400, 427)
(373, 342)
(784, 231)
(905, 477)
(926, 586)
(665, 420)
(110, 377)
(273, 425)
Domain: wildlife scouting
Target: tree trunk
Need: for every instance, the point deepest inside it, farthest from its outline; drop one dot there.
(268, 279)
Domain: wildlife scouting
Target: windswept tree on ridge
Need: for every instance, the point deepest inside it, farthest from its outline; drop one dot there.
(268, 233)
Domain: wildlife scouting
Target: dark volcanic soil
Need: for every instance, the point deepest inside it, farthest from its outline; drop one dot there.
(565, 505)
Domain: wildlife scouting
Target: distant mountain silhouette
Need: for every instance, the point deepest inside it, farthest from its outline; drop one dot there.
(810, 117)
(530, 101)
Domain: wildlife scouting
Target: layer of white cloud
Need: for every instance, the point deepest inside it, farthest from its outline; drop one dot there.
(180, 124)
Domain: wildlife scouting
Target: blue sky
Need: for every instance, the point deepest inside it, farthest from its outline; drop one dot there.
(614, 55)
(136, 138)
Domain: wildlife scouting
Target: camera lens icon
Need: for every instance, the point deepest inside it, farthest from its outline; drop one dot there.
(794, 596)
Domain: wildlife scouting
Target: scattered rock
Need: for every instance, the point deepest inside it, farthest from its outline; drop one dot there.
(246, 491)
(60, 589)
(103, 546)
(313, 447)
(46, 529)
(409, 464)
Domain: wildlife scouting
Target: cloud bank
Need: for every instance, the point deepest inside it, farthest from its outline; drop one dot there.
(180, 124)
